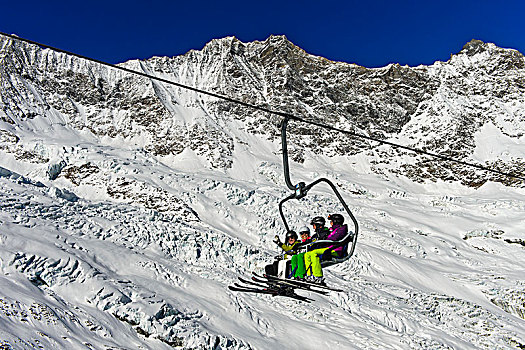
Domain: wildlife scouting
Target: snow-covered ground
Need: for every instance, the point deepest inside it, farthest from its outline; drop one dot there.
(437, 265)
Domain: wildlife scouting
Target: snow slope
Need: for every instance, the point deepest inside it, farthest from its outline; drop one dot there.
(107, 244)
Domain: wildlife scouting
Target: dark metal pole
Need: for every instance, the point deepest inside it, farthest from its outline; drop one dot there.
(285, 155)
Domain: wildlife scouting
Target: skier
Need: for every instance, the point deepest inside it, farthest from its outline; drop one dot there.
(290, 245)
(280, 266)
(304, 232)
(298, 267)
(321, 232)
(312, 259)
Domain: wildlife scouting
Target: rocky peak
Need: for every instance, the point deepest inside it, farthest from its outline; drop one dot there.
(474, 47)
(492, 56)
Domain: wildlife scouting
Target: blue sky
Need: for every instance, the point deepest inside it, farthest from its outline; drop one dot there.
(369, 33)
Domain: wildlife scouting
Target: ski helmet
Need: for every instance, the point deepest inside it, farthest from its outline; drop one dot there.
(304, 229)
(318, 220)
(337, 219)
(291, 234)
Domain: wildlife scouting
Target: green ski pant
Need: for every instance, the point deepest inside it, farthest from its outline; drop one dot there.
(298, 265)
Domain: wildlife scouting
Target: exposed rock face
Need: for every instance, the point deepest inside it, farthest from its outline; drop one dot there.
(438, 108)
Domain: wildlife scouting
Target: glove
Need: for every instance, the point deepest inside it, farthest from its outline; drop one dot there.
(277, 241)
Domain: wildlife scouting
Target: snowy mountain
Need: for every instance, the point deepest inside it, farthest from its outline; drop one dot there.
(128, 205)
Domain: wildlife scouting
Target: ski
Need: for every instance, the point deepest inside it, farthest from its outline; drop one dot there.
(280, 289)
(286, 284)
(238, 288)
(265, 284)
(287, 293)
(298, 283)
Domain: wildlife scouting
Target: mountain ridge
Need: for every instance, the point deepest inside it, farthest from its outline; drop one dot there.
(377, 101)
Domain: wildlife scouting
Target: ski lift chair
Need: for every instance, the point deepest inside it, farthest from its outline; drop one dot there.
(300, 190)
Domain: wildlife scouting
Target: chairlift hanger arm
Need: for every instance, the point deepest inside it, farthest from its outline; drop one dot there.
(334, 189)
(286, 167)
(292, 196)
(301, 189)
(338, 195)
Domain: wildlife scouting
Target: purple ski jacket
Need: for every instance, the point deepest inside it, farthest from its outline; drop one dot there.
(338, 233)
